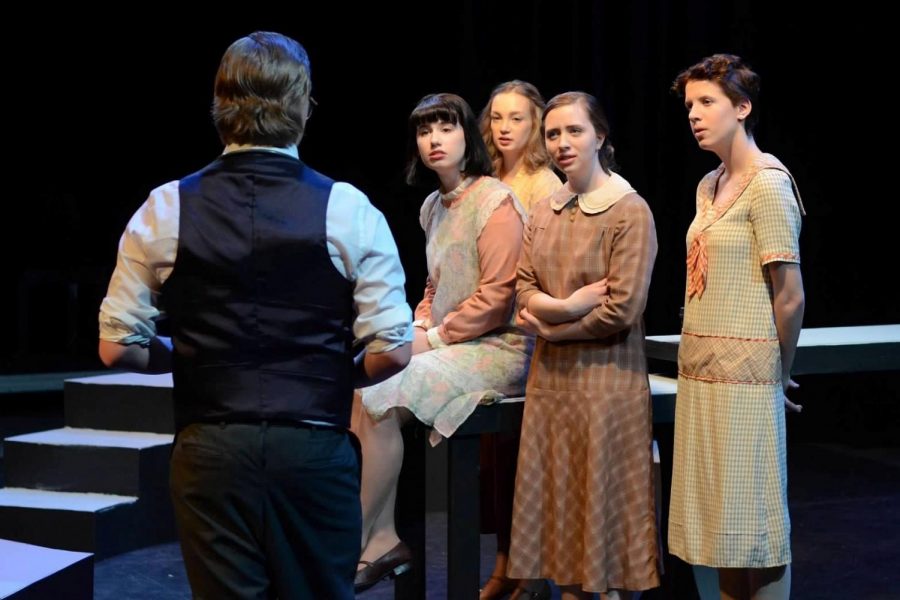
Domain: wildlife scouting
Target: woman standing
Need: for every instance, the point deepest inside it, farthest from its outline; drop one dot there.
(584, 507)
(743, 312)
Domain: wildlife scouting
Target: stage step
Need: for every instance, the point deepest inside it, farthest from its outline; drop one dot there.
(127, 463)
(121, 402)
(30, 572)
(100, 484)
(104, 524)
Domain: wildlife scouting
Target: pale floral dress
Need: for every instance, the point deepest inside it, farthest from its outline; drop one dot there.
(443, 386)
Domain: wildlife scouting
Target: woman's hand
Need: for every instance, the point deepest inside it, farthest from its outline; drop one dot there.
(548, 331)
(420, 341)
(790, 384)
(587, 298)
(523, 324)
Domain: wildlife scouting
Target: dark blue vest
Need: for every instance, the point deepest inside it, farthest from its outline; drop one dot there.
(260, 317)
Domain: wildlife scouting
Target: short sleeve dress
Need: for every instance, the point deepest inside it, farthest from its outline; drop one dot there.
(729, 483)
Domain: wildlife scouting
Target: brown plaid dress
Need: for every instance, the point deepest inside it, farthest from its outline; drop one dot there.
(584, 503)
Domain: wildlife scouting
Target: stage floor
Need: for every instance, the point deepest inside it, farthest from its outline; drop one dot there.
(845, 507)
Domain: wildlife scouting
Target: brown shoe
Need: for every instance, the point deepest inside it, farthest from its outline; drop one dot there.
(394, 562)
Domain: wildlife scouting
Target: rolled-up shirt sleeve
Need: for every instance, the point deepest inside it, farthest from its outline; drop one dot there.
(146, 254)
(363, 249)
(359, 242)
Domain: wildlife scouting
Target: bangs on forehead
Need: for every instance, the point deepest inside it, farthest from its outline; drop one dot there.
(432, 113)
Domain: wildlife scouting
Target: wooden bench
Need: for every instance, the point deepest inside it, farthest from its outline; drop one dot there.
(463, 502)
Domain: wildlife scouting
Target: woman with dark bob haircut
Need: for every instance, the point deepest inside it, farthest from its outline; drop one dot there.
(743, 311)
(466, 348)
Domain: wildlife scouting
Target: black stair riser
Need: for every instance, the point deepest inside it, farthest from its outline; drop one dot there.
(105, 533)
(119, 407)
(102, 470)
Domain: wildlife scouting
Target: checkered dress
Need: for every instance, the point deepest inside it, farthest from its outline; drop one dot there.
(729, 483)
(584, 503)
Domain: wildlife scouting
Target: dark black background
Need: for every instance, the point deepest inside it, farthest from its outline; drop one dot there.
(98, 116)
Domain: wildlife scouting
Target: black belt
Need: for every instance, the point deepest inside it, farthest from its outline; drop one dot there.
(280, 422)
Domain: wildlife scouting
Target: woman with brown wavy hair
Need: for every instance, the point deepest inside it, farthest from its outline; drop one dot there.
(584, 511)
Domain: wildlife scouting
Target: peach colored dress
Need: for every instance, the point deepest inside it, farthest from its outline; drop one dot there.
(584, 510)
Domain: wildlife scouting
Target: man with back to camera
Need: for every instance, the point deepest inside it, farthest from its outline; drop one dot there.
(269, 273)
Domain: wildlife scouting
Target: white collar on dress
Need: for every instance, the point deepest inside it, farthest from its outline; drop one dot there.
(596, 201)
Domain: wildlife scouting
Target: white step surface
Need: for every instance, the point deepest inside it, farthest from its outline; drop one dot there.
(163, 380)
(74, 501)
(23, 564)
(72, 436)
(840, 336)
(829, 336)
(660, 385)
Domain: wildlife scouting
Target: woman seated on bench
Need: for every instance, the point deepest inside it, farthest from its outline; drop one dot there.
(467, 348)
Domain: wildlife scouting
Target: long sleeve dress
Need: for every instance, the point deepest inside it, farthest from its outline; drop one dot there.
(584, 509)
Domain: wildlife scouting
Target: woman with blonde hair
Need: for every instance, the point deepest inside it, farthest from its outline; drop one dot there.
(511, 128)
